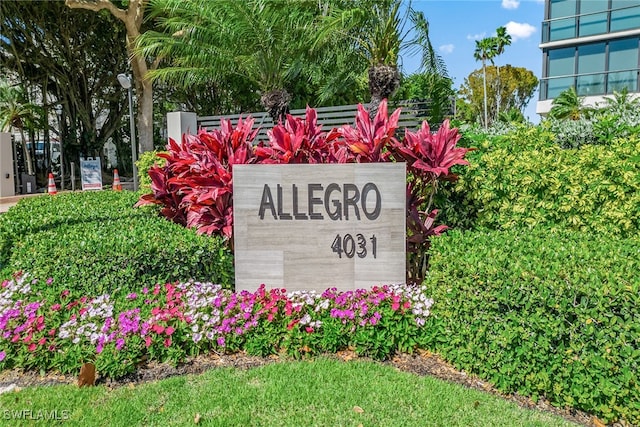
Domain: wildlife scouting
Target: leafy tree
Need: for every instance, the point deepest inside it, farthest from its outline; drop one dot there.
(568, 105)
(17, 112)
(516, 85)
(131, 13)
(375, 29)
(486, 50)
(68, 58)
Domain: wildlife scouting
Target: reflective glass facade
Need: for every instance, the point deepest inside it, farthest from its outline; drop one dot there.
(591, 45)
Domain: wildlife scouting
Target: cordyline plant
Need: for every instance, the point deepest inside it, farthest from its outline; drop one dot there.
(196, 185)
(429, 157)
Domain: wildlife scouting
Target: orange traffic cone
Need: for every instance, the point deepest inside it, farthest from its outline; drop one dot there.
(51, 188)
(116, 181)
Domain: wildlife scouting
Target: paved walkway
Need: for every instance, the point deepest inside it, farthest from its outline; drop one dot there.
(7, 202)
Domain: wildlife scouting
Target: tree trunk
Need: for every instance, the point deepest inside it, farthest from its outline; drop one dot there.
(132, 18)
(27, 154)
(484, 82)
(276, 102)
(145, 117)
(384, 80)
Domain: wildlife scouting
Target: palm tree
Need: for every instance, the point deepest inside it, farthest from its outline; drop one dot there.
(375, 29)
(17, 112)
(502, 40)
(263, 41)
(621, 102)
(485, 51)
(568, 105)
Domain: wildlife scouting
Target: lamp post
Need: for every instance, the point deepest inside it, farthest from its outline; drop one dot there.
(58, 109)
(126, 83)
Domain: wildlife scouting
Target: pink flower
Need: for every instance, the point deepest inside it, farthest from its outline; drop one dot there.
(309, 329)
(169, 330)
(147, 341)
(167, 342)
(132, 295)
(49, 280)
(42, 341)
(55, 307)
(65, 293)
(158, 329)
(3, 354)
(220, 341)
(32, 347)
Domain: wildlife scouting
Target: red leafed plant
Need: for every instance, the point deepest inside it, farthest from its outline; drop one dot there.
(429, 158)
(296, 141)
(196, 185)
(369, 140)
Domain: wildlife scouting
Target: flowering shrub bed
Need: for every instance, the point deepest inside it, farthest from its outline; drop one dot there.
(46, 328)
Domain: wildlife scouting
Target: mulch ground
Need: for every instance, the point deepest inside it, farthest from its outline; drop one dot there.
(422, 363)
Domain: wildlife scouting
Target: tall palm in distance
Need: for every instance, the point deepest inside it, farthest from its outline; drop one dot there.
(503, 39)
(485, 51)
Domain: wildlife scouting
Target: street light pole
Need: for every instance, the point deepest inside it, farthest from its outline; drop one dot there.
(126, 83)
(58, 109)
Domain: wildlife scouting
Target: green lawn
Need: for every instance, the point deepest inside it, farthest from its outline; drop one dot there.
(323, 392)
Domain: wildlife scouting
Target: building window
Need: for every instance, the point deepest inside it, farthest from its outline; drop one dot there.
(562, 29)
(623, 65)
(596, 23)
(562, 8)
(591, 67)
(625, 19)
(593, 6)
(561, 62)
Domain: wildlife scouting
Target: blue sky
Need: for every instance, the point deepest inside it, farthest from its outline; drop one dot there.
(455, 25)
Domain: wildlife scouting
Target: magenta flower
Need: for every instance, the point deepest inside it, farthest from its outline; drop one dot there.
(132, 296)
(3, 354)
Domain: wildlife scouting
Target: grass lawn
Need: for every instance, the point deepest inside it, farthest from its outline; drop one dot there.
(323, 392)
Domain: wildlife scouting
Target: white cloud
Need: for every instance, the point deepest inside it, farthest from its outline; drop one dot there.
(476, 36)
(446, 48)
(510, 4)
(519, 30)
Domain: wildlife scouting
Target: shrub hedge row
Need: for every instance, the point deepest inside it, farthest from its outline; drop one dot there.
(524, 180)
(542, 313)
(98, 242)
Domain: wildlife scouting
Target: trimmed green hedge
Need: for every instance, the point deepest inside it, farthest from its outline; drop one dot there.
(542, 313)
(524, 180)
(98, 242)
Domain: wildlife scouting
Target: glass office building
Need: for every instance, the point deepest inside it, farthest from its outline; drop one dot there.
(592, 45)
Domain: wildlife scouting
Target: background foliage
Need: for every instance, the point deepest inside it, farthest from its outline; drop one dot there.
(524, 179)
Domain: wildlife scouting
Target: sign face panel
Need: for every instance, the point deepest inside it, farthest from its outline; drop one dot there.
(318, 226)
(91, 174)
